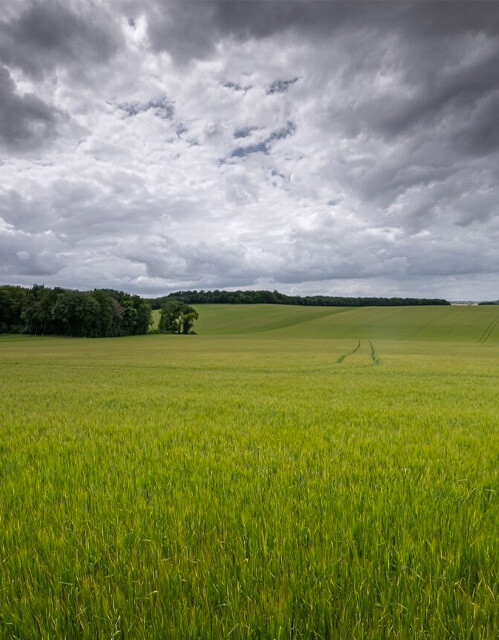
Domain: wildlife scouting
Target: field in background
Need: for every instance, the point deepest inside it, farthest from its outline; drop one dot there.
(326, 473)
(455, 323)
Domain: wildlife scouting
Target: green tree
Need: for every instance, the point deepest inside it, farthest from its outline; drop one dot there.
(11, 305)
(77, 313)
(177, 317)
(37, 310)
(144, 315)
(105, 302)
(187, 319)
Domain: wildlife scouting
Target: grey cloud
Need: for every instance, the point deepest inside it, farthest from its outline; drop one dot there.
(433, 124)
(311, 257)
(191, 29)
(232, 85)
(440, 259)
(230, 264)
(25, 263)
(266, 17)
(182, 263)
(26, 122)
(49, 33)
(183, 29)
(181, 129)
(263, 19)
(85, 208)
(281, 86)
(423, 181)
(478, 135)
(318, 257)
(435, 97)
(25, 254)
(14, 209)
(236, 86)
(477, 206)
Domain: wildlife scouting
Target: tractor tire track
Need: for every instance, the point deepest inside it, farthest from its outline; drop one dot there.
(488, 331)
(345, 355)
(374, 355)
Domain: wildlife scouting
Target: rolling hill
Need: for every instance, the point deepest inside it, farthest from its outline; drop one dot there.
(454, 323)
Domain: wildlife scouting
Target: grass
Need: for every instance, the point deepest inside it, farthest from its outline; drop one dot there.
(441, 323)
(253, 485)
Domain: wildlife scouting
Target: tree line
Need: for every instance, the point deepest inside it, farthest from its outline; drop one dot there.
(274, 297)
(66, 312)
(40, 310)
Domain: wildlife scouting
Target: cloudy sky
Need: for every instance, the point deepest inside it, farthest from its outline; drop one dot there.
(318, 146)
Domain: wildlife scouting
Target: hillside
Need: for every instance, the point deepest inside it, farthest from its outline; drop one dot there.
(448, 323)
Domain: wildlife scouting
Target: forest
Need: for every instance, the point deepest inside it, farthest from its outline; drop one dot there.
(66, 312)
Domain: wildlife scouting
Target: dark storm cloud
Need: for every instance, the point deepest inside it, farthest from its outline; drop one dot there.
(263, 18)
(26, 122)
(49, 33)
(183, 29)
(436, 94)
(191, 29)
(479, 134)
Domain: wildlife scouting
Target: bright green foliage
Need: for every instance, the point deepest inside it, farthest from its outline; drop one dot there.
(258, 486)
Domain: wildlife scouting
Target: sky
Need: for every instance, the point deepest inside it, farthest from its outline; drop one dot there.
(313, 147)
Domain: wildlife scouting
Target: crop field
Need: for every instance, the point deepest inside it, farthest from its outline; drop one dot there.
(286, 473)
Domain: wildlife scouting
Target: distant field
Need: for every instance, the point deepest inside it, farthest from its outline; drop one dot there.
(289, 472)
(455, 323)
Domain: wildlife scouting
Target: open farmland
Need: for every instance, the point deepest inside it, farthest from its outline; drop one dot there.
(289, 472)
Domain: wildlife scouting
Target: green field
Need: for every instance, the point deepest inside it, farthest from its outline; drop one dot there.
(289, 472)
